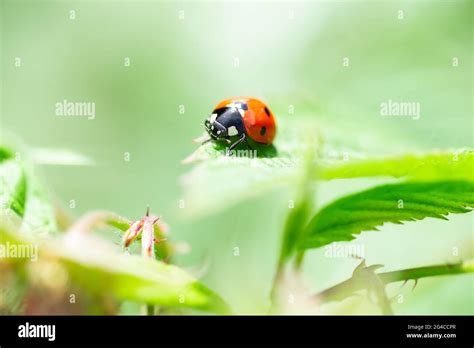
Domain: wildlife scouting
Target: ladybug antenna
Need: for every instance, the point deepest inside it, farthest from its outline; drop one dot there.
(147, 211)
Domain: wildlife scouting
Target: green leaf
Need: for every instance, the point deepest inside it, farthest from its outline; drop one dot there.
(299, 215)
(366, 210)
(214, 175)
(39, 217)
(5, 154)
(95, 265)
(296, 219)
(217, 182)
(13, 187)
(21, 196)
(134, 278)
(453, 164)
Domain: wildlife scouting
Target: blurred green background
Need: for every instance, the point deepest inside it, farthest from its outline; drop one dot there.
(290, 54)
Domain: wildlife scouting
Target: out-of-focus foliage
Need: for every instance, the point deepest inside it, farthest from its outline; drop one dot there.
(89, 262)
(455, 164)
(94, 265)
(22, 196)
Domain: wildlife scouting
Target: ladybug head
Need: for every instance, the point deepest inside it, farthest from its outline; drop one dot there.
(214, 128)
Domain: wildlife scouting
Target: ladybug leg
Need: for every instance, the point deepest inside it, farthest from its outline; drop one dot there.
(235, 144)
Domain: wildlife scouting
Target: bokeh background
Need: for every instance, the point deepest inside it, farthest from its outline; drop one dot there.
(291, 54)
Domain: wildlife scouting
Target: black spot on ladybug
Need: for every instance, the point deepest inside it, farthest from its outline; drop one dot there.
(263, 130)
(267, 111)
(244, 106)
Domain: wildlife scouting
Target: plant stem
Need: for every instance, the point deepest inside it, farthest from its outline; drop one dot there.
(350, 286)
(150, 310)
(299, 260)
(296, 220)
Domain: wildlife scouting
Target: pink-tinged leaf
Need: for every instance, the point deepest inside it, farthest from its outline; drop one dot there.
(132, 233)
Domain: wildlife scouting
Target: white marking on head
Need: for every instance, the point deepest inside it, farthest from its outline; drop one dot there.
(232, 131)
(218, 132)
(212, 118)
(242, 112)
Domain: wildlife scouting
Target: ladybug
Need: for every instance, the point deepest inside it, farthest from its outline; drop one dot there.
(234, 120)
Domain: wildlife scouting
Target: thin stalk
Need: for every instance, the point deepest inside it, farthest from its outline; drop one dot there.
(150, 310)
(349, 287)
(299, 260)
(296, 220)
